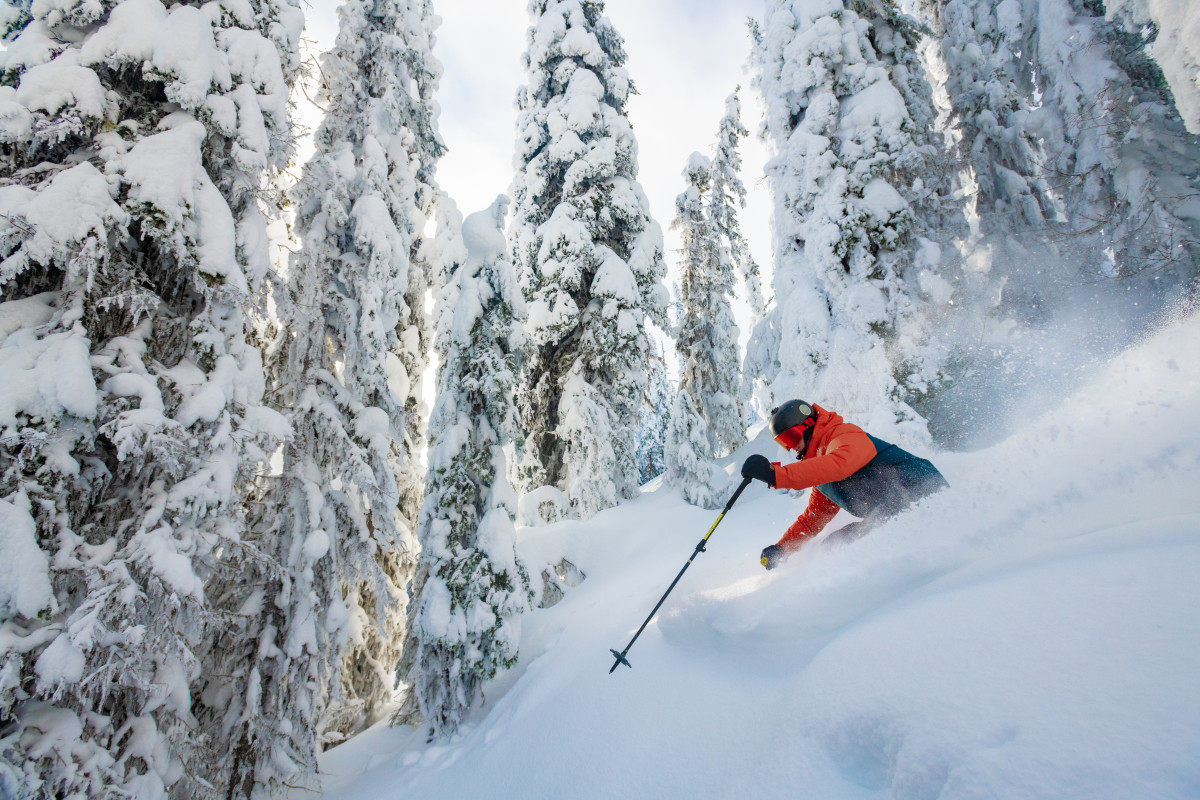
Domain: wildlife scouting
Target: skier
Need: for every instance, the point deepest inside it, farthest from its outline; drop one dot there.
(846, 468)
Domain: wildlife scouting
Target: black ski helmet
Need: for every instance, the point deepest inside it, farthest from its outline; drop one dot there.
(790, 415)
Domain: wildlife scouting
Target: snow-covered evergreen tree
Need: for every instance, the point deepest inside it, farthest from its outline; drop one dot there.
(589, 258)
(845, 111)
(1174, 31)
(727, 195)
(474, 587)
(1116, 148)
(689, 456)
(349, 371)
(1073, 147)
(991, 100)
(709, 424)
(141, 147)
(997, 160)
(655, 414)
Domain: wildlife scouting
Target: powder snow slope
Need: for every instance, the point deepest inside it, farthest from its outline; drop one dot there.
(1032, 633)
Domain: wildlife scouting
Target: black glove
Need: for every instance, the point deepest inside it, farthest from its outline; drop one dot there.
(772, 556)
(760, 469)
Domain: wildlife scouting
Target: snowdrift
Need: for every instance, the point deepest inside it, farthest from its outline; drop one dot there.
(1031, 633)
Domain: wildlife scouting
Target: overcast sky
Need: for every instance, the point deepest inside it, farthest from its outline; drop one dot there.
(684, 56)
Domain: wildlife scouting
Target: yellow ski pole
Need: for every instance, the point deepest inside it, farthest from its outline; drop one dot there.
(699, 549)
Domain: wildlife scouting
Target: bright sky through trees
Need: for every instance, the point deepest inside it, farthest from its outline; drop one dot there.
(685, 57)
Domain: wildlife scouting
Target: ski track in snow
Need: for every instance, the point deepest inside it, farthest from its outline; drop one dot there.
(1031, 633)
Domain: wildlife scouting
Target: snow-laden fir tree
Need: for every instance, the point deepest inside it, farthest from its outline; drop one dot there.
(1078, 175)
(1122, 161)
(141, 146)
(1074, 150)
(843, 117)
(709, 423)
(1174, 32)
(688, 453)
(1071, 141)
(991, 99)
(997, 160)
(655, 414)
(998, 238)
(727, 195)
(349, 371)
(589, 258)
(473, 585)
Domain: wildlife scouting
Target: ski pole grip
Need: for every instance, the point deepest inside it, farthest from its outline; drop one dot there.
(738, 493)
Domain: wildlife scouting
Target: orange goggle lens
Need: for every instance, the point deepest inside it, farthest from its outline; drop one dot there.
(793, 436)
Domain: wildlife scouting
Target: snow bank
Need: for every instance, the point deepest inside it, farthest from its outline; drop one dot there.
(1029, 633)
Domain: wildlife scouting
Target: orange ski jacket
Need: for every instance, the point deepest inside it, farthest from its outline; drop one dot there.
(837, 450)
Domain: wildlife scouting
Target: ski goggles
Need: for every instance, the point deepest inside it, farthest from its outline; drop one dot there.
(793, 437)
